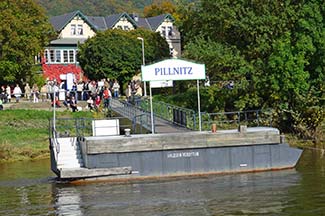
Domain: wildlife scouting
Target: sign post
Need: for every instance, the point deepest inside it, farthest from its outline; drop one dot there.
(199, 104)
(151, 111)
(173, 69)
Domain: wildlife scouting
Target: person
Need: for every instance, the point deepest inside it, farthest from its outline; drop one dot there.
(138, 94)
(90, 103)
(56, 102)
(1, 106)
(3, 95)
(17, 92)
(107, 95)
(44, 92)
(35, 93)
(73, 104)
(8, 93)
(207, 82)
(97, 102)
(116, 88)
(66, 102)
(80, 88)
(128, 93)
(27, 92)
(73, 91)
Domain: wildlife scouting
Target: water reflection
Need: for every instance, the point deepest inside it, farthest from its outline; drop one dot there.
(30, 189)
(67, 201)
(257, 193)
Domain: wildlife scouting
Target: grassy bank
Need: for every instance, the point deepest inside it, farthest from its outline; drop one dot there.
(24, 130)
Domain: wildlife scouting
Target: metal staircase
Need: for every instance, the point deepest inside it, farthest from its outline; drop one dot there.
(69, 155)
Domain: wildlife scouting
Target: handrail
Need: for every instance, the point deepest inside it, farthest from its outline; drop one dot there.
(180, 116)
(144, 124)
(55, 144)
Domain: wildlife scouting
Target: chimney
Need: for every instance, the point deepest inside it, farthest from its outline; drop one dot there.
(135, 16)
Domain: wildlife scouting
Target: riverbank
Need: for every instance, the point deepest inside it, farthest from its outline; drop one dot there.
(24, 129)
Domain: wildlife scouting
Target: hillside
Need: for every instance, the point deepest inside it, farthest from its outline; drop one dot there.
(94, 7)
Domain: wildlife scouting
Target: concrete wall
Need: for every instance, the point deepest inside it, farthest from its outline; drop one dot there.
(189, 140)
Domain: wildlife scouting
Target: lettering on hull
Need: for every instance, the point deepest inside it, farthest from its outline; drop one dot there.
(183, 154)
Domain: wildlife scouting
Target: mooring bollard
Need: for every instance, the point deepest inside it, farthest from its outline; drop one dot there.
(214, 128)
(242, 128)
(127, 132)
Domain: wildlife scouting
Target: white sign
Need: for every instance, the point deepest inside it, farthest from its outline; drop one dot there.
(161, 84)
(173, 69)
(70, 80)
(106, 127)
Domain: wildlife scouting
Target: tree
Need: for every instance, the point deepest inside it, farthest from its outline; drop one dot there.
(165, 7)
(274, 48)
(24, 31)
(117, 54)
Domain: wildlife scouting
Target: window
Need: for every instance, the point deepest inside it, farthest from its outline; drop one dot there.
(80, 30)
(52, 56)
(119, 27)
(46, 56)
(126, 28)
(60, 56)
(170, 31)
(71, 56)
(65, 56)
(57, 55)
(171, 51)
(73, 29)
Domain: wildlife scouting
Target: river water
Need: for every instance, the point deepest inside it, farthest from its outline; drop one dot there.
(29, 188)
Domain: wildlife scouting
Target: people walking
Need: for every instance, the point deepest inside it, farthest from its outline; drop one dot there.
(35, 93)
(116, 88)
(107, 95)
(27, 92)
(8, 92)
(17, 93)
(128, 93)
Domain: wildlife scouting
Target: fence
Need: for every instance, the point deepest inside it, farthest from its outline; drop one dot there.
(81, 127)
(177, 115)
(229, 120)
(224, 120)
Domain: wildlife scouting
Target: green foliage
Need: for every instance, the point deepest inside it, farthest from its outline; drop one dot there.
(165, 7)
(117, 54)
(272, 50)
(104, 7)
(8, 70)
(24, 30)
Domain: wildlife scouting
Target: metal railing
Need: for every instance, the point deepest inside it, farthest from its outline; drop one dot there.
(189, 118)
(82, 127)
(230, 120)
(142, 122)
(176, 115)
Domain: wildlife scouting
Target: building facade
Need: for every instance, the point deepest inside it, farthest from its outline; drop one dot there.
(74, 28)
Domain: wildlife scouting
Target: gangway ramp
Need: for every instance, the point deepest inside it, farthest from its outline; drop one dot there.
(131, 112)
